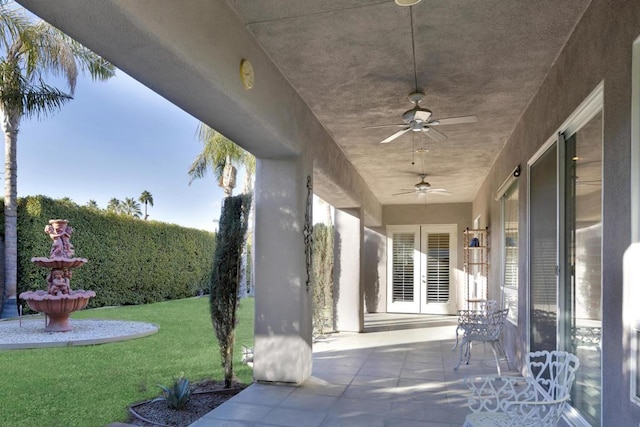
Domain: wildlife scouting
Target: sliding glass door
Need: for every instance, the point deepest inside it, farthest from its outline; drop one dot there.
(565, 250)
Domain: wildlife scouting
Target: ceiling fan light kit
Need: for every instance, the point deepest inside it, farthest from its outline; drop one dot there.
(407, 2)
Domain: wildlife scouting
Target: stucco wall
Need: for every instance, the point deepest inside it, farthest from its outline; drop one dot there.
(599, 50)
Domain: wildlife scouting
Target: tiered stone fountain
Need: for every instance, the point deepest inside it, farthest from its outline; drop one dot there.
(59, 301)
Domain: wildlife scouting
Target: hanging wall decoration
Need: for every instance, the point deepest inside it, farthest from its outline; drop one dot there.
(308, 231)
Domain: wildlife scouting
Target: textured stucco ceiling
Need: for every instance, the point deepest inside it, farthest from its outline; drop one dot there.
(352, 63)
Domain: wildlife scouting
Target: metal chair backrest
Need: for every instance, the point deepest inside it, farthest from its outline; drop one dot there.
(489, 306)
(553, 371)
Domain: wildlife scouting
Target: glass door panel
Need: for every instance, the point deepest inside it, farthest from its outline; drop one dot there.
(403, 288)
(583, 278)
(543, 241)
(438, 286)
(510, 256)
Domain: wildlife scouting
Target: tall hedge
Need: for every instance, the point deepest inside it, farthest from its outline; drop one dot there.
(130, 261)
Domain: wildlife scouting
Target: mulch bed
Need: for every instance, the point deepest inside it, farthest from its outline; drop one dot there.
(206, 396)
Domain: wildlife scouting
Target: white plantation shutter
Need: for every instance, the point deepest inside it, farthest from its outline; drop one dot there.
(403, 267)
(438, 263)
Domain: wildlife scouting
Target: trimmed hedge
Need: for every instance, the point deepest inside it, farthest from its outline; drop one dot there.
(130, 261)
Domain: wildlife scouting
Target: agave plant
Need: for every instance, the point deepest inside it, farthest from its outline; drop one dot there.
(178, 394)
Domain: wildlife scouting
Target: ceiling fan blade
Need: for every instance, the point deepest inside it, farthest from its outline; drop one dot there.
(406, 192)
(434, 134)
(395, 135)
(385, 126)
(454, 120)
(440, 191)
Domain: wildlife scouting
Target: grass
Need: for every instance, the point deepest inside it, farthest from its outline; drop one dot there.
(93, 385)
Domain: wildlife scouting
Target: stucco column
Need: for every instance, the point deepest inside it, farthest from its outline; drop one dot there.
(348, 278)
(283, 304)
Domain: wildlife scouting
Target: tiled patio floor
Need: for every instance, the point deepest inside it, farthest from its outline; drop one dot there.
(398, 373)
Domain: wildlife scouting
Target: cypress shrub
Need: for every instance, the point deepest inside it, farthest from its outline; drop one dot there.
(322, 278)
(225, 278)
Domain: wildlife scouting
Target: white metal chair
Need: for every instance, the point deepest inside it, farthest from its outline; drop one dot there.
(538, 399)
(466, 318)
(485, 328)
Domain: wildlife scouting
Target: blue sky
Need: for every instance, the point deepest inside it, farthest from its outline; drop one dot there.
(117, 139)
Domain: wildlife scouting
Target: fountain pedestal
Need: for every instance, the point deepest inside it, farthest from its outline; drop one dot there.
(59, 301)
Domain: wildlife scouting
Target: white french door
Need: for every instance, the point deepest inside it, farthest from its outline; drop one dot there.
(421, 261)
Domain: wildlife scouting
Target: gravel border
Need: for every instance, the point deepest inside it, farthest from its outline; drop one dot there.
(29, 333)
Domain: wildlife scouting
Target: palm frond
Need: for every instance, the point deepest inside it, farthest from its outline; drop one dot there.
(12, 23)
(88, 61)
(217, 151)
(19, 96)
(198, 168)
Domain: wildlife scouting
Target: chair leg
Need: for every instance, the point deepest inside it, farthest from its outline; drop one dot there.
(463, 344)
(457, 331)
(503, 353)
(495, 355)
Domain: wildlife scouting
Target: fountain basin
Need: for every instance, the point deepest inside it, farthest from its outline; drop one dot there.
(58, 263)
(57, 307)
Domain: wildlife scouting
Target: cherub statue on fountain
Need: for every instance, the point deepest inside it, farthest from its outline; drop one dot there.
(58, 283)
(60, 233)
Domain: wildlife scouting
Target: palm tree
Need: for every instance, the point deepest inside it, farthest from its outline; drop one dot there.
(67, 201)
(146, 198)
(131, 207)
(219, 154)
(93, 205)
(30, 52)
(114, 206)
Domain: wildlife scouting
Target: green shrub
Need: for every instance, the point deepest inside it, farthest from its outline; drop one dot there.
(322, 278)
(178, 395)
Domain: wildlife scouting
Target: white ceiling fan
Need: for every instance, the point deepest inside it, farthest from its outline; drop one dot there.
(423, 188)
(420, 119)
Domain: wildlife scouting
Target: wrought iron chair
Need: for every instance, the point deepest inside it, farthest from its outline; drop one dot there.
(466, 318)
(483, 328)
(538, 399)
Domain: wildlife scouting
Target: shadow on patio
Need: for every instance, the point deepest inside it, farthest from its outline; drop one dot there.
(398, 373)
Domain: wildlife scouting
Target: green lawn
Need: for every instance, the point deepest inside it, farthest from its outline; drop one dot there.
(93, 385)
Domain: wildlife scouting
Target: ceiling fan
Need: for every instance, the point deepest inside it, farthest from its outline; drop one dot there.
(420, 119)
(423, 188)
